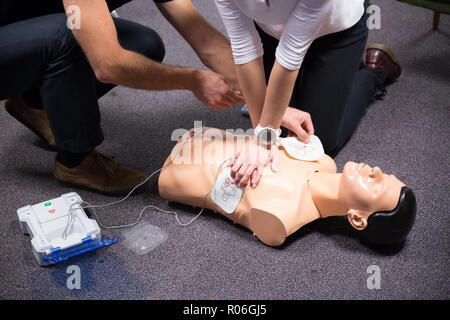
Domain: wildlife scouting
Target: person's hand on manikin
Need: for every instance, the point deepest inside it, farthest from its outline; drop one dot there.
(248, 163)
(299, 124)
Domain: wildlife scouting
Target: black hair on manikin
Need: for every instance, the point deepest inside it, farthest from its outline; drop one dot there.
(392, 227)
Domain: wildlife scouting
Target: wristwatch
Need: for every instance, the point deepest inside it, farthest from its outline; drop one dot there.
(267, 136)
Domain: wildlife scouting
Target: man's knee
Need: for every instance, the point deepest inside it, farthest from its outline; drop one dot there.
(150, 44)
(141, 39)
(155, 48)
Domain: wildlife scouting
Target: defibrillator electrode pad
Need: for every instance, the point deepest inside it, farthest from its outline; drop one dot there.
(225, 193)
(312, 151)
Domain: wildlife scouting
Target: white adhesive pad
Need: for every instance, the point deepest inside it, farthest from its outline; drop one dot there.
(143, 238)
(307, 152)
(225, 193)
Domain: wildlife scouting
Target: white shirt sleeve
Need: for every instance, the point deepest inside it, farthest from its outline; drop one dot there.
(245, 41)
(303, 26)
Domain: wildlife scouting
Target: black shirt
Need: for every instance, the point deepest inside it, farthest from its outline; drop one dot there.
(17, 10)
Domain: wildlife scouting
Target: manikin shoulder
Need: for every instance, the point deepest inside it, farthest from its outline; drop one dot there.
(327, 164)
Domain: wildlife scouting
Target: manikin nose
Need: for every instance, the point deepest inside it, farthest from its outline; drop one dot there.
(375, 173)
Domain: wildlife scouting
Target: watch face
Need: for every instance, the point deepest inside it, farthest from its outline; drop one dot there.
(267, 137)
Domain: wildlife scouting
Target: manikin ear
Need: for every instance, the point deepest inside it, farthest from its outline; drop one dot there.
(357, 219)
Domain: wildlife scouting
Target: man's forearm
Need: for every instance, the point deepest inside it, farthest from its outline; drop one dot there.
(210, 45)
(111, 63)
(133, 70)
(219, 58)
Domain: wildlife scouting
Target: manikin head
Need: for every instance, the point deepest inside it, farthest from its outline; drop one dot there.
(380, 205)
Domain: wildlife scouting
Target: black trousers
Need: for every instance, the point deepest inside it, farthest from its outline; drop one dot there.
(330, 85)
(41, 60)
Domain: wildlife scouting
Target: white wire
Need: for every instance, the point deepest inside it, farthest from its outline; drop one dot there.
(93, 207)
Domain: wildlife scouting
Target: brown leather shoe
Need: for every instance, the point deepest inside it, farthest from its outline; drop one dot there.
(34, 119)
(100, 173)
(381, 57)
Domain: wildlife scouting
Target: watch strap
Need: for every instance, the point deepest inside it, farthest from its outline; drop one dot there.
(258, 129)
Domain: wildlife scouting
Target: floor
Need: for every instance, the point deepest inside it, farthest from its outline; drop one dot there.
(407, 134)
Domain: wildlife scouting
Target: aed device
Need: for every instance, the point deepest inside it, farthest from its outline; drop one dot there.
(46, 222)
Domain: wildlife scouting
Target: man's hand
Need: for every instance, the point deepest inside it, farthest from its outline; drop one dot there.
(212, 89)
(113, 64)
(299, 124)
(215, 53)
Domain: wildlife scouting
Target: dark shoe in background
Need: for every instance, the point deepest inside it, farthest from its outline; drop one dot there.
(100, 173)
(382, 57)
(34, 119)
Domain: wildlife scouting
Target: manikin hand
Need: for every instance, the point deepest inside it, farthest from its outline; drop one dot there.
(249, 162)
(212, 89)
(299, 124)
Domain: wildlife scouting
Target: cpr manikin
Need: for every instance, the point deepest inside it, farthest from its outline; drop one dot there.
(377, 204)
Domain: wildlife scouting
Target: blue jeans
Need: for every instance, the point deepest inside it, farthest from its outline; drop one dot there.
(41, 60)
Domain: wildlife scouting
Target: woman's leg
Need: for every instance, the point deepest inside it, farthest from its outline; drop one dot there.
(366, 84)
(326, 80)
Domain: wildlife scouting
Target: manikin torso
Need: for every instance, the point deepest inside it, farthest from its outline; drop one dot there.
(277, 207)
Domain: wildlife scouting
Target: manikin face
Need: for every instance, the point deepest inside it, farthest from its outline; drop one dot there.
(365, 190)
